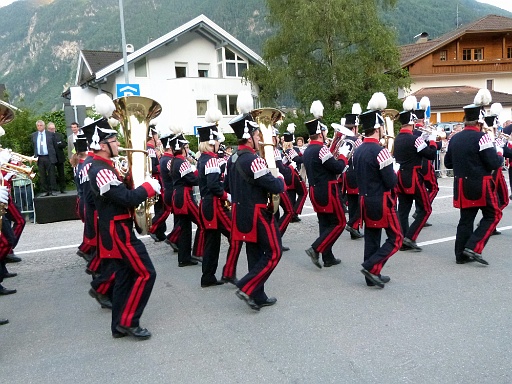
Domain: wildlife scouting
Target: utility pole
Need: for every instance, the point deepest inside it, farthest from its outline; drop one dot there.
(123, 42)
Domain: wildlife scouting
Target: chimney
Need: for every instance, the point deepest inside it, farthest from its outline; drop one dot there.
(422, 37)
(129, 48)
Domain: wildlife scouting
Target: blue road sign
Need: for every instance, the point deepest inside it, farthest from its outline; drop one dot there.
(195, 130)
(127, 90)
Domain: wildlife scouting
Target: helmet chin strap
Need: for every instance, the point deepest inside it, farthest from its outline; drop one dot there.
(109, 149)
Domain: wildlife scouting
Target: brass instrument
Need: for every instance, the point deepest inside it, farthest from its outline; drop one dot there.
(6, 115)
(338, 141)
(440, 135)
(19, 169)
(266, 118)
(389, 115)
(134, 113)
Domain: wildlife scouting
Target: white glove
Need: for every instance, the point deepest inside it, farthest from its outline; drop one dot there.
(425, 136)
(280, 176)
(229, 197)
(345, 149)
(432, 137)
(154, 184)
(5, 156)
(499, 151)
(4, 195)
(9, 176)
(396, 166)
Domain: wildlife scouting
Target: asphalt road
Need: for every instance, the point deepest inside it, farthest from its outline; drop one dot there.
(435, 322)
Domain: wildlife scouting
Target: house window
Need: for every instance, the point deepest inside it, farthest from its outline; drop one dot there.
(509, 52)
(227, 104)
(201, 107)
(202, 70)
(490, 85)
(230, 63)
(473, 54)
(141, 69)
(443, 55)
(181, 70)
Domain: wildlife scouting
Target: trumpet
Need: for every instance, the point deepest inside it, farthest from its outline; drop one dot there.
(389, 115)
(19, 169)
(440, 135)
(502, 135)
(19, 158)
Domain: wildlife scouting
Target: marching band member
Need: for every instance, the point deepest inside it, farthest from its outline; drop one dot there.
(184, 206)
(376, 180)
(427, 169)
(295, 186)
(134, 271)
(215, 215)
(473, 156)
(410, 152)
(322, 170)
(350, 181)
(158, 226)
(250, 182)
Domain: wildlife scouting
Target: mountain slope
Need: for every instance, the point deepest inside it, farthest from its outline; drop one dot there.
(40, 39)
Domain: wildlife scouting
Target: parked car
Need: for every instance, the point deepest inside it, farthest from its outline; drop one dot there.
(448, 127)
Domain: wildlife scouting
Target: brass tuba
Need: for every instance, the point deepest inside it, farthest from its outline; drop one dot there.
(266, 118)
(134, 113)
(389, 116)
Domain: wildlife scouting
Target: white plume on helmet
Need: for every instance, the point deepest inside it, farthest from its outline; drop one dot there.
(244, 102)
(356, 109)
(483, 97)
(213, 115)
(88, 121)
(378, 102)
(291, 128)
(175, 129)
(410, 103)
(496, 109)
(424, 103)
(104, 105)
(113, 122)
(317, 109)
(163, 130)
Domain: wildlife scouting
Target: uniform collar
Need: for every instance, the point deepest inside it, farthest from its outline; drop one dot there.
(406, 131)
(370, 140)
(180, 157)
(471, 128)
(316, 142)
(107, 161)
(246, 148)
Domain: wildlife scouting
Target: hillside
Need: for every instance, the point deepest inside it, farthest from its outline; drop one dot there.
(40, 39)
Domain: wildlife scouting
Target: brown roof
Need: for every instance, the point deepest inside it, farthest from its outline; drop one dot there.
(100, 59)
(491, 23)
(457, 97)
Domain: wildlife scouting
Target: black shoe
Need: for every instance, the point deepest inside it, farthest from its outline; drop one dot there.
(475, 256)
(10, 274)
(296, 219)
(12, 258)
(62, 191)
(118, 335)
(373, 278)
(231, 280)
(411, 245)
(5, 291)
(405, 248)
(212, 284)
(465, 261)
(314, 255)
(138, 332)
(284, 249)
(86, 256)
(174, 246)
(427, 224)
(384, 279)
(199, 259)
(156, 238)
(267, 303)
(4, 321)
(248, 300)
(354, 233)
(187, 263)
(495, 232)
(103, 300)
(330, 263)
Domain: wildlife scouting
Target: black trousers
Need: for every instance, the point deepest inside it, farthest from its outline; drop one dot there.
(262, 257)
(423, 211)
(46, 173)
(476, 239)
(354, 213)
(61, 178)
(210, 263)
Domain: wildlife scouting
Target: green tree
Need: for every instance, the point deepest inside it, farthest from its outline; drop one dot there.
(334, 51)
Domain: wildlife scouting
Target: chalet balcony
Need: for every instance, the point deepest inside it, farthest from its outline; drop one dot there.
(460, 66)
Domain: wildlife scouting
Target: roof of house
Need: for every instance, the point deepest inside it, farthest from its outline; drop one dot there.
(491, 23)
(96, 60)
(202, 25)
(458, 97)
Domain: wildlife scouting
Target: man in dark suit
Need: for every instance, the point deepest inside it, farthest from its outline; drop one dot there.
(45, 149)
(61, 158)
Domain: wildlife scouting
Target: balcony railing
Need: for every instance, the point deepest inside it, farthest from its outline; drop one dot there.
(460, 66)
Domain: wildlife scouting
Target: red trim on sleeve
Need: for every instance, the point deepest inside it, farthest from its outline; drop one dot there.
(149, 189)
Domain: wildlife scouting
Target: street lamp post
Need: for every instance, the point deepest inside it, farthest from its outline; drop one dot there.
(123, 42)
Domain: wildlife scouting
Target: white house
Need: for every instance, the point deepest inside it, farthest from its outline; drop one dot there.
(190, 69)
